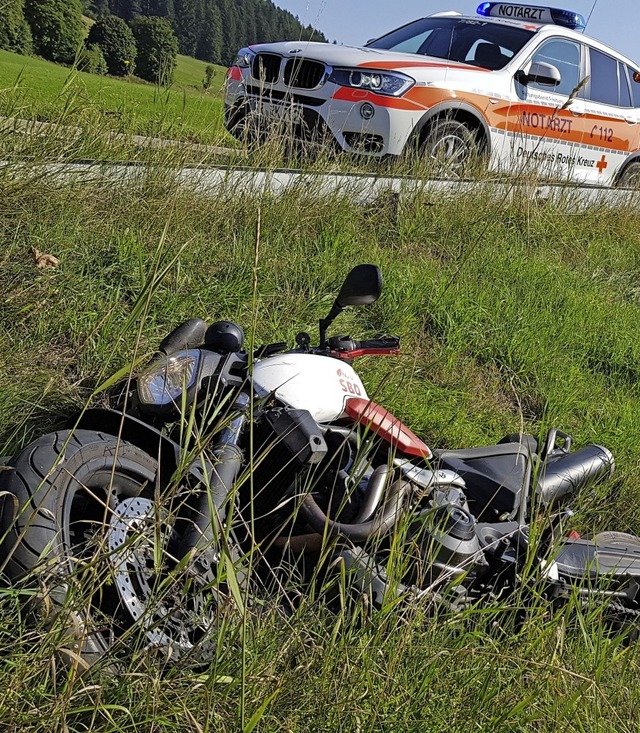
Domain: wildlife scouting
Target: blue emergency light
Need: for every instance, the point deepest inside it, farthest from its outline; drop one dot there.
(533, 14)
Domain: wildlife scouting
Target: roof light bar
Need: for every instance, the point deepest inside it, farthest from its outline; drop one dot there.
(533, 14)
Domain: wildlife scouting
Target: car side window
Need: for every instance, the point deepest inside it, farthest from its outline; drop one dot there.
(603, 82)
(634, 80)
(565, 56)
(625, 89)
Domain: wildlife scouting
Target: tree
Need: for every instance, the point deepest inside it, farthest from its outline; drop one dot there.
(230, 36)
(157, 49)
(92, 60)
(209, 46)
(161, 8)
(127, 9)
(116, 41)
(56, 27)
(15, 34)
(188, 25)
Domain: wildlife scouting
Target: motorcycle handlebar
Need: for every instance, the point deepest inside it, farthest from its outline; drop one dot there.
(347, 348)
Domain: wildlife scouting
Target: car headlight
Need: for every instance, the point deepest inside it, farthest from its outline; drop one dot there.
(390, 83)
(244, 58)
(165, 382)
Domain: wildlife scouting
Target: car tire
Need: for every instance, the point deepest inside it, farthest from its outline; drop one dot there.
(451, 147)
(630, 176)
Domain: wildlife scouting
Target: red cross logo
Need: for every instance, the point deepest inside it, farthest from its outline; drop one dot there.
(602, 164)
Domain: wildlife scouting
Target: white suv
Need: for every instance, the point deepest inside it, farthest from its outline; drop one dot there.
(517, 85)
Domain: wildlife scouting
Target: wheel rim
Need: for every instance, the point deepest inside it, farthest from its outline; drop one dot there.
(151, 587)
(450, 151)
(113, 529)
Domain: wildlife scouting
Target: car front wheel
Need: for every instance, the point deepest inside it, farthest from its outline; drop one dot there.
(450, 147)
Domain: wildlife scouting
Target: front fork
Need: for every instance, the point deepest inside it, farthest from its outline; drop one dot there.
(227, 457)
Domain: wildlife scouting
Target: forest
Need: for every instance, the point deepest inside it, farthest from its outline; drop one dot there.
(214, 30)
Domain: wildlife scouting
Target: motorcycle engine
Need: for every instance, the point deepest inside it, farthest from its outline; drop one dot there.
(443, 540)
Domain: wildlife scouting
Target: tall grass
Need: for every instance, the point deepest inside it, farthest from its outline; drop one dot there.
(513, 315)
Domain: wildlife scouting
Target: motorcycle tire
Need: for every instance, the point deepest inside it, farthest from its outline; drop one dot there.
(88, 526)
(617, 538)
(530, 442)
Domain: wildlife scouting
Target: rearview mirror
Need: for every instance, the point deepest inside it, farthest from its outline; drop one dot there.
(362, 286)
(540, 73)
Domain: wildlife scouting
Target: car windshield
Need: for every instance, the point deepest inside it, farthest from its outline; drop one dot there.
(477, 42)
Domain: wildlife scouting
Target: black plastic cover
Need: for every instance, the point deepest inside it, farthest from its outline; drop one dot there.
(299, 433)
(494, 476)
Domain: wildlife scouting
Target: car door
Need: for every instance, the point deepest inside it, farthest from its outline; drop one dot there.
(545, 124)
(612, 122)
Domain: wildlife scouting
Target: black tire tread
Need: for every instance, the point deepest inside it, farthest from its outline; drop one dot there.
(35, 486)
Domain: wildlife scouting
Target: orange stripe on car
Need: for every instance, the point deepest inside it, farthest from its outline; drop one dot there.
(347, 94)
(409, 64)
(235, 73)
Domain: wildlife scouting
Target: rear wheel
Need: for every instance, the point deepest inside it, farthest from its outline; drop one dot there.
(630, 176)
(94, 529)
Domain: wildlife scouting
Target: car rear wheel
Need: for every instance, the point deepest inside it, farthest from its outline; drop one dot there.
(630, 176)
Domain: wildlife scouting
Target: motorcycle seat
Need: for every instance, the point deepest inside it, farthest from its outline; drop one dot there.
(494, 476)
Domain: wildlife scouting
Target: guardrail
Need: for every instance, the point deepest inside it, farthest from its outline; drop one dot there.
(208, 180)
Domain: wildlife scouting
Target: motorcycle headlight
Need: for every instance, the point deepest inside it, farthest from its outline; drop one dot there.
(165, 382)
(390, 83)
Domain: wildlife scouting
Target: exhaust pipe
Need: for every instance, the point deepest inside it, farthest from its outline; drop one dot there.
(573, 472)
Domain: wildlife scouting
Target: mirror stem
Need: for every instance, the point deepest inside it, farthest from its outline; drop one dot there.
(336, 310)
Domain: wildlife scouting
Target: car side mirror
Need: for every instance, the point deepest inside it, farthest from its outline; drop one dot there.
(540, 73)
(362, 286)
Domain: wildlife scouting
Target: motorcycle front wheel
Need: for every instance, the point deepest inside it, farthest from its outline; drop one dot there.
(93, 526)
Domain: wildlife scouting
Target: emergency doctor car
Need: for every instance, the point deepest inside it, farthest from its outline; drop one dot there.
(518, 86)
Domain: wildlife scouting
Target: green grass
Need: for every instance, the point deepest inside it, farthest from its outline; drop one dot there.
(32, 88)
(511, 315)
(190, 73)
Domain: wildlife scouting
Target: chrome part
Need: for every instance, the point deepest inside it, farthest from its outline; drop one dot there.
(175, 607)
(427, 479)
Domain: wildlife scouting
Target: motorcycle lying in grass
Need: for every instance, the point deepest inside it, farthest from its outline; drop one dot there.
(223, 475)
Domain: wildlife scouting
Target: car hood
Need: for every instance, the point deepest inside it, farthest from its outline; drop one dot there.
(334, 55)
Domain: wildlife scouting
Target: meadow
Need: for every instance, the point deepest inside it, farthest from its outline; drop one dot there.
(513, 315)
(32, 88)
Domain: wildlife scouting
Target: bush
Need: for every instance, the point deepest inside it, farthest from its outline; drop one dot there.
(15, 34)
(209, 73)
(157, 48)
(56, 27)
(116, 41)
(92, 60)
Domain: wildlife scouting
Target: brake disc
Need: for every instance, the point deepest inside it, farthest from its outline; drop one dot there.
(175, 605)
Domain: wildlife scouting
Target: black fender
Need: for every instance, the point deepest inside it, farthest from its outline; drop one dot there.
(144, 436)
(453, 108)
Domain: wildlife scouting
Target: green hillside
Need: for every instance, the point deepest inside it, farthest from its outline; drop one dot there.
(32, 88)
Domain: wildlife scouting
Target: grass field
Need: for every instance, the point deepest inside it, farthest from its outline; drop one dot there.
(31, 88)
(512, 315)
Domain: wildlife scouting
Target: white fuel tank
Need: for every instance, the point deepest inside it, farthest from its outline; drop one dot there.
(319, 384)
